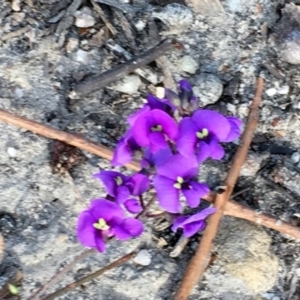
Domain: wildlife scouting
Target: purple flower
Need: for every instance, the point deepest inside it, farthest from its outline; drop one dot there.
(155, 159)
(175, 177)
(124, 149)
(202, 133)
(152, 103)
(192, 224)
(121, 187)
(154, 129)
(102, 220)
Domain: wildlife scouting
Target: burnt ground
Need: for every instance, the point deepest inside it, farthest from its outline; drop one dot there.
(47, 47)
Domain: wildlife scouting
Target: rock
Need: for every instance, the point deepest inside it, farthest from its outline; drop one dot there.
(271, 92)
(284, 90)
(295, 157)
(245, 256)
(72, 44)
(208, 88)
(84, 18)
(298, 272)
(253, 164)
(290, 51)
(140, 25)
(188, 64)
(239, 5)
(207, 7)
(82, 56)
(129, 85)
(15, 5)
(232, 108)
(12, 152)
(175, 16)
(143, 258)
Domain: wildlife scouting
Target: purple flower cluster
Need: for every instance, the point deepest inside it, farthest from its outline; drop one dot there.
(172, 151)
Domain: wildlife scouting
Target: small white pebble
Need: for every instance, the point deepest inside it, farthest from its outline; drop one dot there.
(271, 92)
(188, 64)
(82, 56)
(128, 85)
(140, 25)
(143, 258)
(15, 5)
(278, 223)
(275, 298)
(283, 90)
(298, 272)
(231, 108)
(19, 93)
(295, 157)
(12, 152)
(84, 18)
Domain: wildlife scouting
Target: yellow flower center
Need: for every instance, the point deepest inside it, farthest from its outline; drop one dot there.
(202, 134)
(178, 183)
(156, 128)
(101, 225)
(119, 180)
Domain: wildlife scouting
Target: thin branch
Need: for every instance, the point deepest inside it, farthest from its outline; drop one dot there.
(58, 275)
(201, 258)
(92, 276)
(63, 136)
(93, 84)
(232, 208)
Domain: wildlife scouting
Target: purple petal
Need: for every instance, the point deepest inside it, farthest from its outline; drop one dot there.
(183, 84)
(128, 228)
(122, 154)
(192, 228)
(216, 150)
(178, 222)
(140, 184)
(169, 125)
(187, 138)
(168, 196)
(235, 129)
(142, 129)
(122, 194)
(203, 152)
(179, 166)
(132, 119)
(214, 122)
(109, 180)
(100, 244)
(156, 159)
(105, 209)
(194, 195)
(202, 215)
(85, 230)
(133, 206)
(157, 142)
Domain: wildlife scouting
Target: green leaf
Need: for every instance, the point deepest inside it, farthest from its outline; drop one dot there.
(13, 289)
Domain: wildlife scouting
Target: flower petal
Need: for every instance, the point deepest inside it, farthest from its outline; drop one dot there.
(140, 184)
(203, 152)
(179, 166)
(85, 230)
(214, 122)
(168, 196)
(100, 244)
(186, 141)
(157, 142)
(108, 179)
(122, 194)
(178, 222)
(203, 214)
(142, 129)
(156, 159)
(105, 209)
(128, 228)
(133, 206)
(216, 150)
(169, 125)
(192, 228)
(193, 196)
(132, 118)
(235, 129)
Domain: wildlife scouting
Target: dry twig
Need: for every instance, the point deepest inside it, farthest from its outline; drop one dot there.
(201, 258)
(58, 275)
(107, 77)
(92, 276)
(232, 208)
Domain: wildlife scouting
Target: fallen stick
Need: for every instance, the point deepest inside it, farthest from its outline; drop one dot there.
(200, 260)
(93, 84)
(232, 208)
(92, 276)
